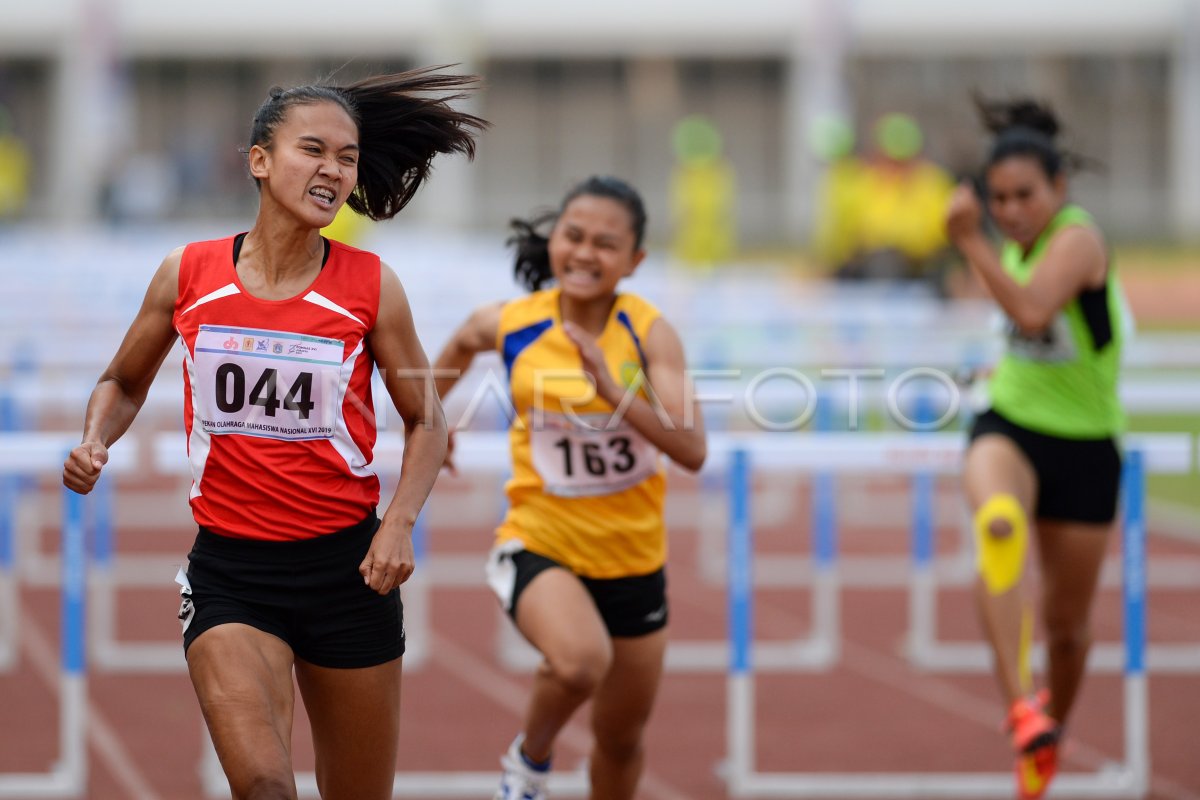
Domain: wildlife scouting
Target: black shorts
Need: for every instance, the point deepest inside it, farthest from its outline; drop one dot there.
(633, 606)
(1077, 479)
(308, 593)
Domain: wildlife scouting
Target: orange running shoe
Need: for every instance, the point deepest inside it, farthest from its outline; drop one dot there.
(1030, 726)
(1035, 769)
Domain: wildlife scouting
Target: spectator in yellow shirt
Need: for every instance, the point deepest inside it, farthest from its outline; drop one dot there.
(14, 169)
(882, 215)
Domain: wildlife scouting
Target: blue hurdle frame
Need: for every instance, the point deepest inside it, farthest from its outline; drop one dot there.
(1130, 780)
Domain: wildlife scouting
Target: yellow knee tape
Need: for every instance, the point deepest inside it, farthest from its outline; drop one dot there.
(1001, 558)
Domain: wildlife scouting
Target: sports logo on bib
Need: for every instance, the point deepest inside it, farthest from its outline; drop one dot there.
(581, 457)
(273, 384)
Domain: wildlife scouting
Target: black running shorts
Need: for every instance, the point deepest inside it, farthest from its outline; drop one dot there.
(633, 606)
(308, 593)
(1077, 479)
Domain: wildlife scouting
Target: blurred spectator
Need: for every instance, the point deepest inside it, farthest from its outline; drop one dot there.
(835, 234)
(703, 187)
(14, 169)
(880, 217)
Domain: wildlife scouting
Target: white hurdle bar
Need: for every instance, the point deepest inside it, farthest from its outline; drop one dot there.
(31, 454)
(1129, 780)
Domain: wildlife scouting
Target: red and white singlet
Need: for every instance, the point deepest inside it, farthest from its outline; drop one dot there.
(277, 396)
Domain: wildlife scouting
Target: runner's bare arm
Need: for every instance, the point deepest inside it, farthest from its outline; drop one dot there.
(405, 371)
(123, 385)
(1075, 260)
(476, 335)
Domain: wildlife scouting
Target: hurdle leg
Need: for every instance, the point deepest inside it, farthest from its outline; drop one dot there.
(69, 777)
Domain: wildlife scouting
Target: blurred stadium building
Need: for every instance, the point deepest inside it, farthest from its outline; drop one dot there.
(138, 107)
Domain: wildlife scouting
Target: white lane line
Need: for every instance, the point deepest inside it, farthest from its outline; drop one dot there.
(101, 735)
(485, 678)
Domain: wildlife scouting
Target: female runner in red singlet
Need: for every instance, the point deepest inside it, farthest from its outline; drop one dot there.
(291, 569)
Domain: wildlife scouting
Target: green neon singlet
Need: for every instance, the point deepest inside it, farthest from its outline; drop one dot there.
(1062, 381)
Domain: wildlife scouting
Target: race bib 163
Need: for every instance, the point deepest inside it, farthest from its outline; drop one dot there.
(581, 457)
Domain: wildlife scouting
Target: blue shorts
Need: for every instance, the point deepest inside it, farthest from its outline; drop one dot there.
(308, 593)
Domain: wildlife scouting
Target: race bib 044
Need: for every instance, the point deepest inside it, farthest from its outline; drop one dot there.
(581, 457)
(274, 384)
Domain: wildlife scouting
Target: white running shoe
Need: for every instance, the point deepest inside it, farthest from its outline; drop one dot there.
(521, 781)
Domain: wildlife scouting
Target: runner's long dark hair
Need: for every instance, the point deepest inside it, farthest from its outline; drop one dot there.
(400, 129)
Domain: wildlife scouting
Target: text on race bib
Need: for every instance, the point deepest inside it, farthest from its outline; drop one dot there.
(579, 457)
(273, 384)
(1054, 344)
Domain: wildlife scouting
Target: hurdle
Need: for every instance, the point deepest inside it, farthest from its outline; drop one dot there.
(487, 452)
(1128, 780)
(9, 597)
(27, 454)
(107, 652)
(68, 777)
(107, 572)
(785, 570)
(924, 456)
(1159, 453)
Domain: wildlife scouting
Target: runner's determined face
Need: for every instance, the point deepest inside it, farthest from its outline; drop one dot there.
(1022, 198)
(592, 247)
(311, 165)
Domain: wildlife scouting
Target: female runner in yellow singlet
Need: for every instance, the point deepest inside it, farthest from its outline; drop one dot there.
(599, 387)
